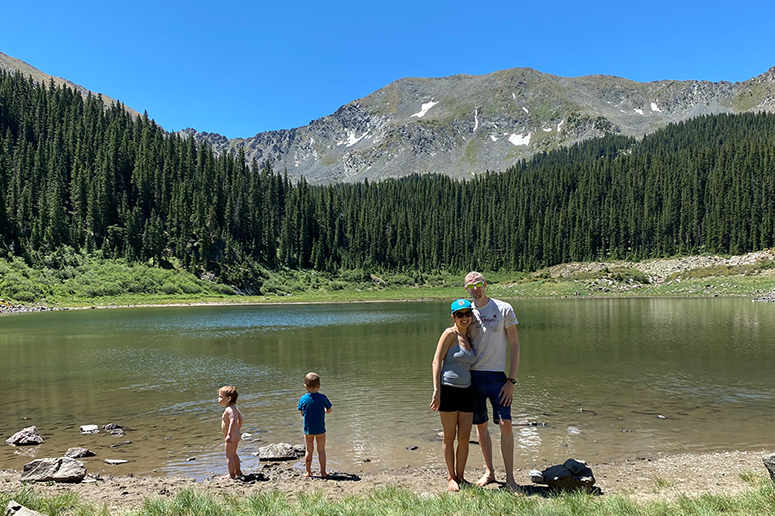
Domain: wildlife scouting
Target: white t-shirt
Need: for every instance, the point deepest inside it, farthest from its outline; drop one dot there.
(488, 335)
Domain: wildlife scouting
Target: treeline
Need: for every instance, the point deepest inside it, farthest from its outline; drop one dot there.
(75, 174)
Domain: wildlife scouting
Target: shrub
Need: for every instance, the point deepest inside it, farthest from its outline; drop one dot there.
(630, 274)
(169, 289)
(401, 279)
(25, 296)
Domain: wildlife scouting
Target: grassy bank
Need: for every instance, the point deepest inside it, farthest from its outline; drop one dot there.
(76, 280)
(388, 501)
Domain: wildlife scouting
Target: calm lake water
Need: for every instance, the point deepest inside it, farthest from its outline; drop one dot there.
(635, 377)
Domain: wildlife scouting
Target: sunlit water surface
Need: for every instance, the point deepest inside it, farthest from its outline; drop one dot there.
(600, 379)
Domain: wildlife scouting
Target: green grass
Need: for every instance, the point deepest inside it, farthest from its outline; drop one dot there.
(751, 97)
(397, 502)
(472, 151)
(66, 503)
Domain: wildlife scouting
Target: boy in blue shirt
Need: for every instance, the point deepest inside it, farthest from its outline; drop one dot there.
(313, 407)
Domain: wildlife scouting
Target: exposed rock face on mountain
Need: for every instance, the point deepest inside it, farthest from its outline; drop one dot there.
(465, 125)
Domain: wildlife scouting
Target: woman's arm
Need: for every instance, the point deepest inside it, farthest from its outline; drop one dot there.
(445, 341)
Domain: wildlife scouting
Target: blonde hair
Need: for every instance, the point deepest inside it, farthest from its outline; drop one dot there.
(230, 391)
(474, 274)
(312, 380)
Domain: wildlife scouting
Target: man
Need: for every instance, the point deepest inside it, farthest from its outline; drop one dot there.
(493, 336)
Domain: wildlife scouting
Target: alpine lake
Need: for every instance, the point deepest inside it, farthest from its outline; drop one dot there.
(599, 379)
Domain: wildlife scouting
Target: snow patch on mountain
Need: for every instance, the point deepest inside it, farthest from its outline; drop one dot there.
(351, 139)
(425, 107)
(520, 139)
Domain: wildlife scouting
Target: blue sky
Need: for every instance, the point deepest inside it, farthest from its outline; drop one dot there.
(239, 68)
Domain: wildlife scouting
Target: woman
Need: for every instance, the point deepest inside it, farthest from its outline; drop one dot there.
(453, 394)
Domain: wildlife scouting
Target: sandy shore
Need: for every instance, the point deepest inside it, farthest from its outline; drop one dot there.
(640, 479)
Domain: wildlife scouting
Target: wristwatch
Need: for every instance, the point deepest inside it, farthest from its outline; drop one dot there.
(512, 380)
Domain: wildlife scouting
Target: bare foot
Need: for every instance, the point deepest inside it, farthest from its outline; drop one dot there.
(307, 474)
(512, 486)
(226, 477)
(453, 485)
(465, 483)
(487, 478)
(323, 475)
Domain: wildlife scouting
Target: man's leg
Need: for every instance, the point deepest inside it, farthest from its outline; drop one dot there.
(480, 419)
(507, 449)
(483, 434)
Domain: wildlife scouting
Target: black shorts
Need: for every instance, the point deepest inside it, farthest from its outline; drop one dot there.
(457, 399)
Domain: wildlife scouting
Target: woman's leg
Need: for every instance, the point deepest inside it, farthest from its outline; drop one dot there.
(465, 421)
(449, 425)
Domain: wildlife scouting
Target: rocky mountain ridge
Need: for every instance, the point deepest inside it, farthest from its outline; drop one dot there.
(465, 125)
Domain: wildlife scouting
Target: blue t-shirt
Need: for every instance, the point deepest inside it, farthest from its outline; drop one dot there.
(313, 406)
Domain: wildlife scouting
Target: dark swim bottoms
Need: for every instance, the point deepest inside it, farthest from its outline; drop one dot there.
(457, 399)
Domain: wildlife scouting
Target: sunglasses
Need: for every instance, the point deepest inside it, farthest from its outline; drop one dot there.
(460, 314)
(478, 284)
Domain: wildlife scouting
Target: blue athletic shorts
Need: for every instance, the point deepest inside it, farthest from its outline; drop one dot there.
(487, 386)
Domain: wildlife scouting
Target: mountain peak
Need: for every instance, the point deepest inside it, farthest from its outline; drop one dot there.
(464, 125)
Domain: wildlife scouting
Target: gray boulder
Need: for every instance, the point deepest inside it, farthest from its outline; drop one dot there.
(280, 451)
(16, 509)
(25, 436)
(60, 469)
(769, 463)
(78, 453)
(572, 475)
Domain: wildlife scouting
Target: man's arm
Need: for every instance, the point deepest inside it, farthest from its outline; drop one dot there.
(511, 334)
(507, 391)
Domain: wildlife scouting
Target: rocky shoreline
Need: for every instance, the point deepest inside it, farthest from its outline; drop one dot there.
(7, 308)
(641, 479)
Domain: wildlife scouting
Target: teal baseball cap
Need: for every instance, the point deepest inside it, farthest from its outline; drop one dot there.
(461, 304)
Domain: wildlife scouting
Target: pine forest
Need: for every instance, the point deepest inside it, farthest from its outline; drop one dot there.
(74, 174)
